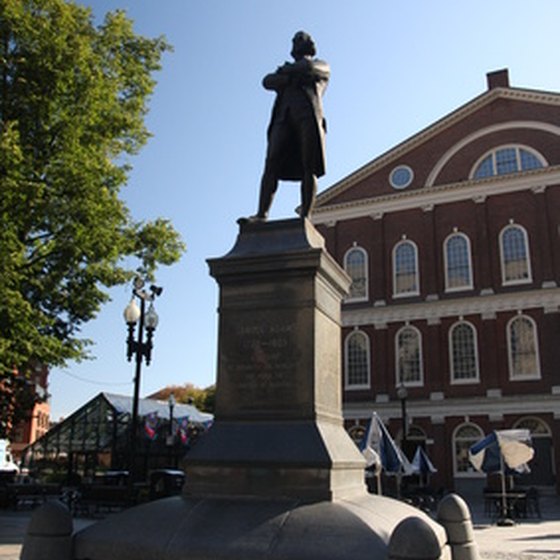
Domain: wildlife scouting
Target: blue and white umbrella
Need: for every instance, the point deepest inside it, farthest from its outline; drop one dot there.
(502, 449)
(379, 446)
(422, 466)
(421, 463)
(499, 451)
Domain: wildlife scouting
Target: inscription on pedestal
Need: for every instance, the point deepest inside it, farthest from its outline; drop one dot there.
(260, 359)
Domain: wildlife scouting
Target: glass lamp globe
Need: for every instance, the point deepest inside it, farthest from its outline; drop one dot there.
(132, 312)
(152, 318)
(402, 392)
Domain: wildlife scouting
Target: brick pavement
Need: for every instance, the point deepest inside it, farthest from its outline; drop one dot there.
(529, 539)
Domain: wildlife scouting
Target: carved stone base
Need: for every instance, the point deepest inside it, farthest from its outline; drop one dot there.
(252, 529)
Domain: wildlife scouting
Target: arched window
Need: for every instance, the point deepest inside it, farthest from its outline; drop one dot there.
(357, 361)
(507, 159)
(405, 269)
(536, 426)
(355, 265)
(357, 433)
(415, 437)
(463, 353)
(514, 255)
(523, 347)
(457, 257)
(409, 357)
(464, 437)
(543, 465)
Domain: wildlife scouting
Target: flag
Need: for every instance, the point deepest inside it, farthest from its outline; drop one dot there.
(378, 443)
(183, 430)
(151, 423)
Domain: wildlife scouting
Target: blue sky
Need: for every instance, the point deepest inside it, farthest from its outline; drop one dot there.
(396, 67)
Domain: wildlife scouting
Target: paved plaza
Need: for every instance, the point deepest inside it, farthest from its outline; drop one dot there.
(529, 539)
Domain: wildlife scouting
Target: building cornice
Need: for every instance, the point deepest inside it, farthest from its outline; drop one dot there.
(433, 311)
(525, 404)
(427, 197)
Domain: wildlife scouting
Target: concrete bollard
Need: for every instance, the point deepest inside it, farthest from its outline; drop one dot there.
(49, 534)
(454, 515)
(414, 539)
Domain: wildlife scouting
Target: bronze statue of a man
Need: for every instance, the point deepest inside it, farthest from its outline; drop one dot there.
(296, 134)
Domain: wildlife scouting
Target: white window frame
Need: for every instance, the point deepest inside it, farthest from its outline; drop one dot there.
(472, 472)
(359, 249)
(493, 153)
(514, 282)
(470, 380)
(469, 284)
(526, 377)
(398, 381)
(347, 385)
(408, 182)
(411, 293)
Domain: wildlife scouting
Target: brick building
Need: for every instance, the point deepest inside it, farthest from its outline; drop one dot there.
(37, 421)
(452, 239)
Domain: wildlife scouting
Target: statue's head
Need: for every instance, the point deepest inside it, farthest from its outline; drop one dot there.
(303, 45)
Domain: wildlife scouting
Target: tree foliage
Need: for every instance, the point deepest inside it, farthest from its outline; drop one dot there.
(203, 399)
(73, 98)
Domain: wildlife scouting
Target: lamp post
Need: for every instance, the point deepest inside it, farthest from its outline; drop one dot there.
(171, 438)
(402, 394)
(139, 348)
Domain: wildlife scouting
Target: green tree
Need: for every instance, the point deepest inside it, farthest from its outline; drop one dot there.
(203, 399)
(73, 97)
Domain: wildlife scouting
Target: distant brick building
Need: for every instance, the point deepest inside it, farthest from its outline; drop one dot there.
(452, 239)
(37, 420)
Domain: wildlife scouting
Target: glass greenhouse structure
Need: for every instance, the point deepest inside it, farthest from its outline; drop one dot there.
(97, 437)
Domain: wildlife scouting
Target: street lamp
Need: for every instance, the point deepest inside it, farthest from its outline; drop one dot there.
(171, 437)
(171, 402)
(402, 394)
(139, 348)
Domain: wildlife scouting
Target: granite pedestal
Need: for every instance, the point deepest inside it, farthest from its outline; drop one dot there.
(278, 429)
